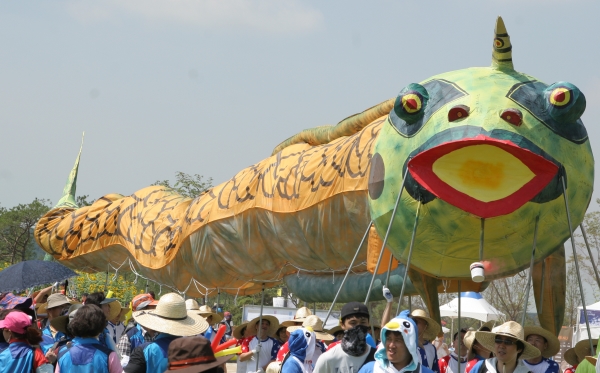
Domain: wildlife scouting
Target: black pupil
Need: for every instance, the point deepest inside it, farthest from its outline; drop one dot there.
(406, 324)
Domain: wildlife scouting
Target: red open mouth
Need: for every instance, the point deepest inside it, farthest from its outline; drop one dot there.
(482, 175)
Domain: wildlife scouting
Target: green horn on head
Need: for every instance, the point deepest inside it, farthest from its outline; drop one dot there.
(68, 197)
(502, 49)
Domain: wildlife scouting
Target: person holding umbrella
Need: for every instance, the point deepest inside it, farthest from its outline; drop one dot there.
(20, 356)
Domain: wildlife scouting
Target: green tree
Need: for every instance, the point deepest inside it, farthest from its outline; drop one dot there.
(16, 229)
(188, 185)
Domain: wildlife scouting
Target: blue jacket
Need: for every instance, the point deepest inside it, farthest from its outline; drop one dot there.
(17, 358)
(48, 340)
(136, 337)
(86, 355)
(155, 353)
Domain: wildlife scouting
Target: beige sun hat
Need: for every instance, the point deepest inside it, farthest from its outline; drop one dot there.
(237, 331)
(170, 316)
(469, 339)
(487, 326)
(60, 323)
(433, 328)
(334, 330)
(272, 320)
(571, 357)
(206, 311)
(57, 300)
(510, 329)
(314, 322)
(582, 348)
(115, 310)
(301, 314)
(191, 305)
(553, 342)
(591, 359)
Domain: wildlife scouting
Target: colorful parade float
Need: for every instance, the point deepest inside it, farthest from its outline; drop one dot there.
(465, 177)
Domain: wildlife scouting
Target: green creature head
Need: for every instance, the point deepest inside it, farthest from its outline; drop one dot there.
(481, 147)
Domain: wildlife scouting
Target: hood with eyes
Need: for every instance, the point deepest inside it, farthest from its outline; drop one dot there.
(302, 343)
(484, 146)
(408, 328)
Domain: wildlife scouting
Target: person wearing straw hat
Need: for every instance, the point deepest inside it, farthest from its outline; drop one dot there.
(243, 335)
(212, 318)
(170, 320)
(582, 349)
(193, 355)
(571, 358)
(261, 345)
(449, 363)
(314, 323)
(548, 345)
(56, 304)
(508, 344)
(136, 335)
(86, 353)
(428, 330)
(115, 326)
(301, 314)
(475, 351)
(397, 351)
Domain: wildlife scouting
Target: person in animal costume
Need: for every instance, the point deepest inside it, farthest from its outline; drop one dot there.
(397, 352)
(302, 345)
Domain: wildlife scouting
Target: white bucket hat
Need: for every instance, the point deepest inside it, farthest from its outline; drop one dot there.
(171, 317)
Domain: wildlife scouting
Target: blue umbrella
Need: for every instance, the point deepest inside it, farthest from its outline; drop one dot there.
(29, 273)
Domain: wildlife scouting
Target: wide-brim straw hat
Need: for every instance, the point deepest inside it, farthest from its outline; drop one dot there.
(487, 326)
(192, 305)
(571, 357)
(115, 310)
(206, 311)
(272, 320)
(553, 342)
(316, 324)
(171, 317)
(582, 348)
(509, 329)
(591, 359)
(301, 314)
(334, 330)
(237, 331)
(433, 328)
(469, 339)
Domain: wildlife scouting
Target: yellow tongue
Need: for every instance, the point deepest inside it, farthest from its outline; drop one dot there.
(484, 172)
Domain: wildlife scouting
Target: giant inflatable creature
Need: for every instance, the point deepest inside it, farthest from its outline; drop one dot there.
(482, 158)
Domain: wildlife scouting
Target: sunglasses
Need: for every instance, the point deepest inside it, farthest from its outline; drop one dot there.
(506, 342)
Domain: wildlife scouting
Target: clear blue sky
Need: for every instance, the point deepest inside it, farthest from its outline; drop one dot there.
(211, 87)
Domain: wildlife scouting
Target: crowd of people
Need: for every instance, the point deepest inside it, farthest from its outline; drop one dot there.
(52, 333)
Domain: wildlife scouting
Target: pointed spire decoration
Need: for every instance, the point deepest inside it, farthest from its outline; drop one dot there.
(502, 49)
(68, 197)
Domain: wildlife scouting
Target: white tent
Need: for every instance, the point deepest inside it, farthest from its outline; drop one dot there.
(593, 311)
(472, 305)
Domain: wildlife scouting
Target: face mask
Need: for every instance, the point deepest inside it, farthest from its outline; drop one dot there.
(354, 342)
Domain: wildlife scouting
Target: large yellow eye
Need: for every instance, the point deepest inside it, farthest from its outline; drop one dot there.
(560, 96)
(411, 103)
(565, 103)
